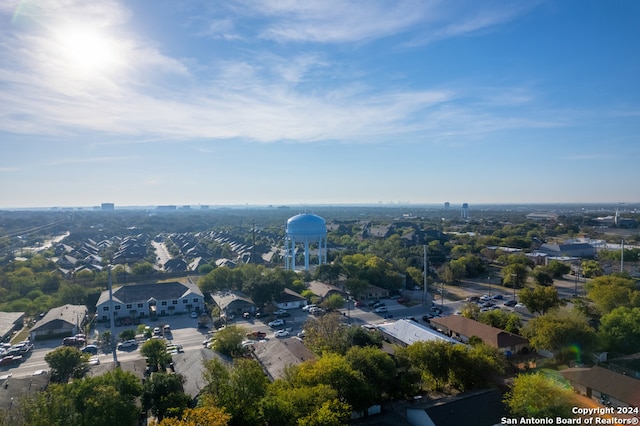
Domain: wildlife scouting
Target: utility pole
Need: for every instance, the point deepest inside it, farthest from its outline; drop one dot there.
(425, 291)
(113, 321)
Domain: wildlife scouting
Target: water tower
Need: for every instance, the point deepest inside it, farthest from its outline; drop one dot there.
(305, 229)
(464, 213)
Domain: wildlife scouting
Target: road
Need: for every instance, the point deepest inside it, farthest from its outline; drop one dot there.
(162, 254)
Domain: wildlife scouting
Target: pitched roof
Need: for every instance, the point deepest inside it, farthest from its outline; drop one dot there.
(618, 386)
(321, 289)
(289, 295)
(142, 292)
(410, 331)
(490, 335)
(276, 354)
(69, 314)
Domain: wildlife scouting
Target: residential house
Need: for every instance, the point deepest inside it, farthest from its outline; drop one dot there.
(604, 386)
(275, 355)
(10, 322)
(175, 265)
(323, 290)
(289, 299)
(150, 300)
(405, 332)
(233, 302)
(65, 320)
(463, 329)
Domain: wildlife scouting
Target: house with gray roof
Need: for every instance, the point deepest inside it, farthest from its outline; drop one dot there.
(276, 354)
(150, 301)
(582, 250)
(10, 321)
(65, 320)
(233, 302)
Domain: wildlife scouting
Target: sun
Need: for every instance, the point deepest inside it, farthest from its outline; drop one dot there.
(87, 51)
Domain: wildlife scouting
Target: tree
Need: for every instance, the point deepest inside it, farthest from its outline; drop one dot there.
(356, 286)
(561, 330)
(67, 362)
(143, 268)
(155, 351)
(379, 369)
(128, 334)
(610, 292)
(538, 396)
(163, 394)
(620, 330)
(507, 321)
(228, 341)
(199, 416)
(333, 302)
(470, 310)
(515, 274)
(236, 388)
(591, 268)
(558, 269)
(542, 276)
(326, 334)
(431, 360)
(540, 299)
(334, 370)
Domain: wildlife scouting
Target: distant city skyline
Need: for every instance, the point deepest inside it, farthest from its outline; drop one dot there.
(318, 103)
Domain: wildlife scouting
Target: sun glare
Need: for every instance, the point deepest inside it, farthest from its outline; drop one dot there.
(87, 51)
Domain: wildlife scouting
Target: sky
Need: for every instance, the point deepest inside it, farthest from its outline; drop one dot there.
(240, 102)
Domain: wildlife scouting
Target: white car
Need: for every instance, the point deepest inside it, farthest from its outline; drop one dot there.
(380, 309)
(276, 323)
(485, 298)
(94, 360)
(309, 307)
(281, 333)
(194, 314)
(128, 344)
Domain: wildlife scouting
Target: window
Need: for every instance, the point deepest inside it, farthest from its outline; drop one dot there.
(129, 305)
(174, 302)
(185, 301)
(140, 305)
(117, 308)
(164, 303)
(195, 300)
(105, 308)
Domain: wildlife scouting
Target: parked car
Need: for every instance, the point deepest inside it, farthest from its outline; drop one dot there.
(403, 300)
(256, 335)
(94, 360)
(283, 314)
(473, 299)
(276, 323)
(510, 303)
(380, 309)
(497, 297)
(378, 304)
(308, 307)
(279, 312)
(90, 349)
(485, 297)
(281, 333)
(156, 331)
(132, 343)
(194, 314)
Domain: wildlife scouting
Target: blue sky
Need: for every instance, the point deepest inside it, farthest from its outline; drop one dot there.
(146, 102)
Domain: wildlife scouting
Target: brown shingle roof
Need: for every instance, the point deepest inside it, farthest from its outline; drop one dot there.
(468, 328)
(621, 387)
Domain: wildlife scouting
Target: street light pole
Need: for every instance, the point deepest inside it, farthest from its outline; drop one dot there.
(513, 282)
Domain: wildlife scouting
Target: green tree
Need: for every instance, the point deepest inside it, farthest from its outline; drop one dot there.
(538, 396)
(430, 359)
(143, 268)
(542, 276)
(236, 388)
(128, 334)
(515, 274)
(155, 351)
(163, 394)
(558, 269)
(470, 310)
(540, 299)
(326, 334)
(356, 286)
(66, 363)
(591, 268)
(620, 330)
(610, 292)
(228, 341)
(507, 321)
(561, 330)
(333, 302)
(378, 368)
